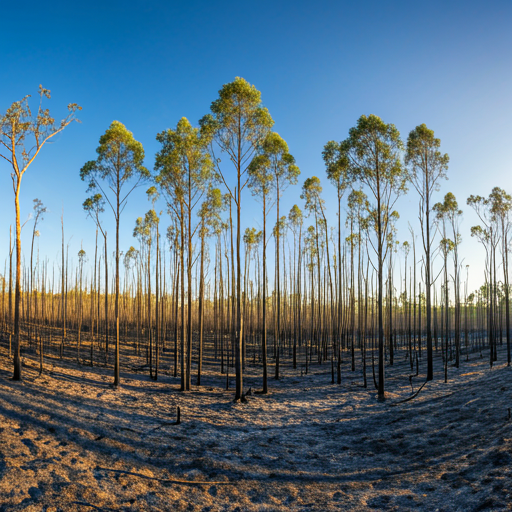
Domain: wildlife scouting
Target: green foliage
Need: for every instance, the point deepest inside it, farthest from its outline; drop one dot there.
(93, 206)
(311, 190)
(373, 151)
(337, 164)
(295, 218)
(81, 257)
(426, 163)
(131, 256)
(280, 227)
(252, 238)
(273, 167)
(18, 124)
(183, 164)
(237, 115)
(261, 179)
(357, 203)
(120, 158)
(449, 208)
(144, 227)
(211, 210)
(446, 245)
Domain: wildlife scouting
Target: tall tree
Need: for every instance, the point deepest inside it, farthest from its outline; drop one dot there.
(211, 225)
(338, 173)
(285, 172)
(94, 206)
(314, 204)
(448, 213)
(39, 211)
(356, 202)
(184, 170)
(22, 136)
(238, 123)
(489, 235)
(502, 209)
(261, 183)
(116, 172)
(373, 149)
(295, 221)
(427, 166)
(145, 231)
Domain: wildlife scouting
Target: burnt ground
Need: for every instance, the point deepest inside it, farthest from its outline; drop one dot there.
(70, 442)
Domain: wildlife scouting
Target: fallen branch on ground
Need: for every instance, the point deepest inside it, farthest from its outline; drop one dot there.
(411, 397)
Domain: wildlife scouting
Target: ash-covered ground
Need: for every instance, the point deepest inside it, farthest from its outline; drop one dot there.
(70, 442)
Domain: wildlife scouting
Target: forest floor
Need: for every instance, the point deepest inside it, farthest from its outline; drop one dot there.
(70, 442)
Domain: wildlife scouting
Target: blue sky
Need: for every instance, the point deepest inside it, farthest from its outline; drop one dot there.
(318, 66)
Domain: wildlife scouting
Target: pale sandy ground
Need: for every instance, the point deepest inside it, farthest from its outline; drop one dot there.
(69, 442)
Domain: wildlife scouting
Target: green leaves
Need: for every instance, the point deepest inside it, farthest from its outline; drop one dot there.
(448, 209)
(120, 158)
(273, 167)
(373, 150)
(311, 191)
(295, 217)
(183, 164)
(144, 227)
(238, 122)
(210, 212)
(337, 164)
(238, 111)
(18, 123)
(425, 161)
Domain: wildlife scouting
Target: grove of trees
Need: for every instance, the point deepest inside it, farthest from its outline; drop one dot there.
(338, 291)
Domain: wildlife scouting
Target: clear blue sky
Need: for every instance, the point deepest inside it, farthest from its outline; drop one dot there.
(318, 65)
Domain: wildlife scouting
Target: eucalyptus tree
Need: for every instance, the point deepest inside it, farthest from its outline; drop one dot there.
(373, 150)
(448, 212)
(446, 245)
(314, 204)
(392, 246)
(281, 164)
(184, 171)
(339, 174)
(311, 193)
(82, 257)
(211, 225)
(501, 209)
(252, 238)
(427, 166)
(238, 124)
(312, 259)
(278, 232)
(153, 195)
(173, 237)
(131, 262)
(116, 172)
(356, 202)
(261, 183)
(145, 231)
(406, 247)
(94, 206)
(39, 211)
(295, 221)
(488, 237)
(22, 136)
(494, 213)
